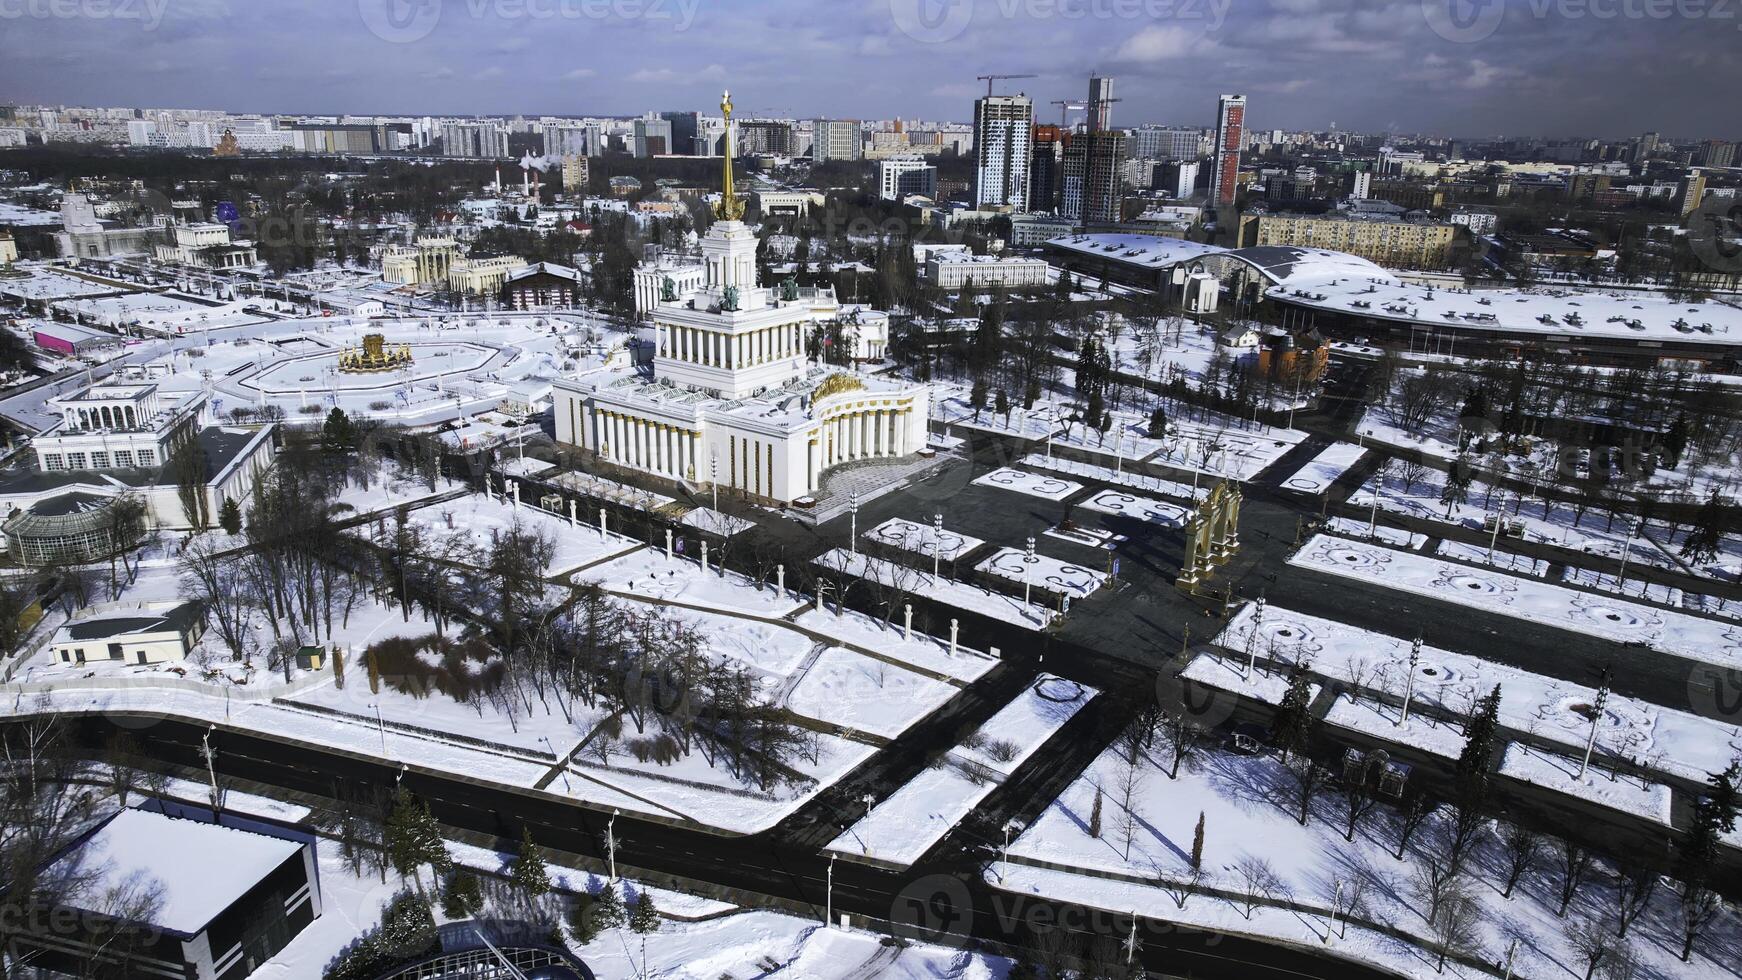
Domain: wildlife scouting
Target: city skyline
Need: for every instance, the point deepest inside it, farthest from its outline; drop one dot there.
(1542, 69)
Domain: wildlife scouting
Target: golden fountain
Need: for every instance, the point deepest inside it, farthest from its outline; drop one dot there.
(374, 355)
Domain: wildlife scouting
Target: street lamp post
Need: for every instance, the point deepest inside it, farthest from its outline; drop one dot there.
(211, 768)
(937, 544)
(1409, 681)
(611, 843)
(1626, 550)
(829, 896)
(1027, 571)
(853, 529)
(1596, 716)
(1378, 488)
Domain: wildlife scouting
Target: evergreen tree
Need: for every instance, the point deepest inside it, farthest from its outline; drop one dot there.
(413, 839)
(1002, 405)
(338, 433)
(527, 874)
(1064, 287)
(230, 516)
(608, 912)
(644, 922)
(1095, 815)
(1198, 844)
(1675, 441)
(977, 397)
(1702, 543)
(1480, 728)
(463, 898)
(1158, 423)
(584, 918)
(1714, 816)
(1457, 488)
(1293, 727)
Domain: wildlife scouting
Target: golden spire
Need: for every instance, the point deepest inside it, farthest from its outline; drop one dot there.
(730, 208)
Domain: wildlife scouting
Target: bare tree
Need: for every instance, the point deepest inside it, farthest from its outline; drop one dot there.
(1591, 941)
(1184, 738)
(1633, 892)
(1456, 925)
(1574, 861)
(1258, 882)
(1699, 906)
(1130, 803)
(1521, 850)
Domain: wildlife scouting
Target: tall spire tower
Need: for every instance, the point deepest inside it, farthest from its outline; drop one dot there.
(730, 209)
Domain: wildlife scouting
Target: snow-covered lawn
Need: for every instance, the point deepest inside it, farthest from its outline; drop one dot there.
(850, 689)
(1008, 609)
(1317, 476)
(1043, 573)
(1540, 521)
(1561, 773)
(1254, 844)
(910, 821)
(715, 522)
(1503, 560)
(1232, 676)
(698, 938)
(1709, 641)
(1350, 527)
(485, 517)
(1032, 484)
(1221, 450)
(926, 653)
(1118, 477)
(922, 539)
(1122, 504)
(1674, 742)
(648, 574)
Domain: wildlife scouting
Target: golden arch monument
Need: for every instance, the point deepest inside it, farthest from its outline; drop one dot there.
(1212, 536)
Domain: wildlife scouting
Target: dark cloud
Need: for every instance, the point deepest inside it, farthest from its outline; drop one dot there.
(1463, 67)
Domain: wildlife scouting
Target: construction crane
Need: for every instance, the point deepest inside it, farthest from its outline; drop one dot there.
(1065, 106)
(989, 79)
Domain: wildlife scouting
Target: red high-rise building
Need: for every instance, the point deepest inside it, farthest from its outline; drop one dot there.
(1230, 131)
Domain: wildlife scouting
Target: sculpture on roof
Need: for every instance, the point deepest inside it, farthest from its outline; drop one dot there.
(729, 208)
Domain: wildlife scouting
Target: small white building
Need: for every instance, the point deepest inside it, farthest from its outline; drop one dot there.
(952, 270)
(146, 633)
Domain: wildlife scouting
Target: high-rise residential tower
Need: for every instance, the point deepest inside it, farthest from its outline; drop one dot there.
(1230, 130)
(1003, 133)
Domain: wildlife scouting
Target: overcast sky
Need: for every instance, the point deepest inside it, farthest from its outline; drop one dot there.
(1452, 67)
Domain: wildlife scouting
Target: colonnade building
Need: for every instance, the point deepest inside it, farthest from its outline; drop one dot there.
(731, 398)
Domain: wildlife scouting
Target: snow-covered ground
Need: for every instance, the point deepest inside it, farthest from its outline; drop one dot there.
(1317, 476)
(849, 689)
(1563, 773)
(1117, 477)
(1006, 608)
(1662, 739)
(1349, 527)
(1032, 484)
(922, 539)
(1503, 560)
(1122, 504)
(1043, 573)
(697, 939)
(1254, 844)
(715, 522)
(1708, 641)
(648, 574)
(910, 821)
(484, 517)
(928, 654)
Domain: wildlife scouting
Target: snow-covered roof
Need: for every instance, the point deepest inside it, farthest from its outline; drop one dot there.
(202, 868)
(1283, 264)
(550, 268)
(1543, 312)
(1138, 250)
